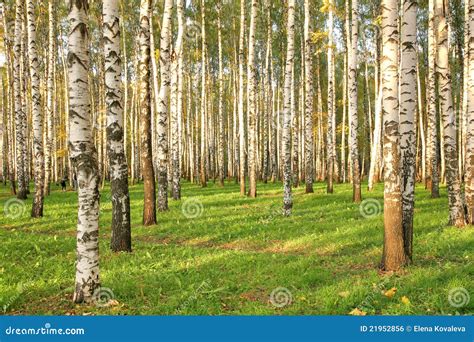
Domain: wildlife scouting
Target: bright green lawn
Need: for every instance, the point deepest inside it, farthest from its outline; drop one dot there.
(230, 259)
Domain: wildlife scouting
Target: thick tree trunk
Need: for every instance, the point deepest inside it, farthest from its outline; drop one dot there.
(407, 119)
(149, 208)
(394, 256)
(286, 148)
(204, 145)
(83, 155)
(37, 209)
(118, 168)
(448, 119)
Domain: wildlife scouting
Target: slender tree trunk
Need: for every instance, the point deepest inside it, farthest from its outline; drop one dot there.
(456, 210)
(118, 168)
(220, 105)
(407, 119)
(241, 100)
(394, 256)
(432, 178)
(37, 209)
(20, 115)
(176, 98)
(353, 118)
(470, 120)
(308, 129)
(330, 100)
(83, 155)
(286, 148)
(149, 208)
(204, 155)
(252, 104)
(162, 126)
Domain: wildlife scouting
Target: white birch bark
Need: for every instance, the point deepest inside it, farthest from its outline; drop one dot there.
(83, 154)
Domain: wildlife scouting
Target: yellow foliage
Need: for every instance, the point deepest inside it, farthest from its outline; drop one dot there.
(357, 312)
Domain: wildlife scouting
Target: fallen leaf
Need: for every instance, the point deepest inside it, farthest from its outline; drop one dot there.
(344, 294)
(405, 300)
(390, 293)
(357, 312)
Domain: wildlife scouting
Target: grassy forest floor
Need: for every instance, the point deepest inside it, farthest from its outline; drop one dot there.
(216, 252)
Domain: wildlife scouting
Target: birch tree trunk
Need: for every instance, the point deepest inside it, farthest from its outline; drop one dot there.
(448, 119)
(20, 115)
(252, 105)
(330, 100)
(149, 208)
(176, 98)
(118, 168)
(394, 256)
(220, 99)
(241, 100)
(49, 97)
(204, 132)
(162, 126)
(37, 209)
(286, 143)
(432, 178)
(308, 76)
(353, 118)
(470, 120)
(407, 119)
(83, 154)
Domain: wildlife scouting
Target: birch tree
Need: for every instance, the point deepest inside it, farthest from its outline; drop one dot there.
(49, 96)
(394, 256)
(37, 209)
(352, 90)
(220, 97)
(149, 208)
(448, 119)
(241, 100)
(408, 109)
(162, 134)
(252, 110)
(286, 143)
(331, 128)
(470, 119)
(308, 74)
(20, 115)
(118, 168)
(83, 154)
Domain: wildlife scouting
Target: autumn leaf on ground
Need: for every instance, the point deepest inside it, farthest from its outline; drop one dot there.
(390, 293)
(405, 300)
(344, 294)
(357, 312)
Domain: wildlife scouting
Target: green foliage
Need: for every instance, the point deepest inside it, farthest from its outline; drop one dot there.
(229, 259)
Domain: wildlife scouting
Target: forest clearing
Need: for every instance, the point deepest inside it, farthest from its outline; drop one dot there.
(252, 157)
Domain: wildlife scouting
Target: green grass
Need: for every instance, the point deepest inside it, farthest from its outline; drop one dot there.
(229, 259)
